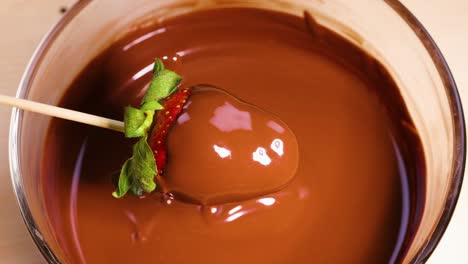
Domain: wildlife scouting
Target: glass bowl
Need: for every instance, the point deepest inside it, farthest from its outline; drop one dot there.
(384, 29)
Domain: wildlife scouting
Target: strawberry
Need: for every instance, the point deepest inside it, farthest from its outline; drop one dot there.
(164, 118)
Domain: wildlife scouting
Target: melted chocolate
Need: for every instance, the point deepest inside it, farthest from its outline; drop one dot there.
(354, 197)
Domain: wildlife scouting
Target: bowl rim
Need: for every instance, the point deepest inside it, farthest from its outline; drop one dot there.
(415, 25)
(458, 119)
(15, 127)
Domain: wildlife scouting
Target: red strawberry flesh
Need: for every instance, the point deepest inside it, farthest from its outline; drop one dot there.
(173, 106)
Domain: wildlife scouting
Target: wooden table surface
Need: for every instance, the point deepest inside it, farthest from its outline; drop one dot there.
(24, 22)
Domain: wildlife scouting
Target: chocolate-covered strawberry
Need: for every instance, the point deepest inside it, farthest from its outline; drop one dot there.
(221, 150)
(206, 146)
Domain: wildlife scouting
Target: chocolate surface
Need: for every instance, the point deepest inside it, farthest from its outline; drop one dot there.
(354, 195)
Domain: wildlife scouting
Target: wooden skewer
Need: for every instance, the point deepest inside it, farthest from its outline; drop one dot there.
(62, 113)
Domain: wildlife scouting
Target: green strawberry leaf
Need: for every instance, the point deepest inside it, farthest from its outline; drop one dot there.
(124, 181)
(158, 66)
(164, 83)
(137, 121)
(151, 106)
(138, 172)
